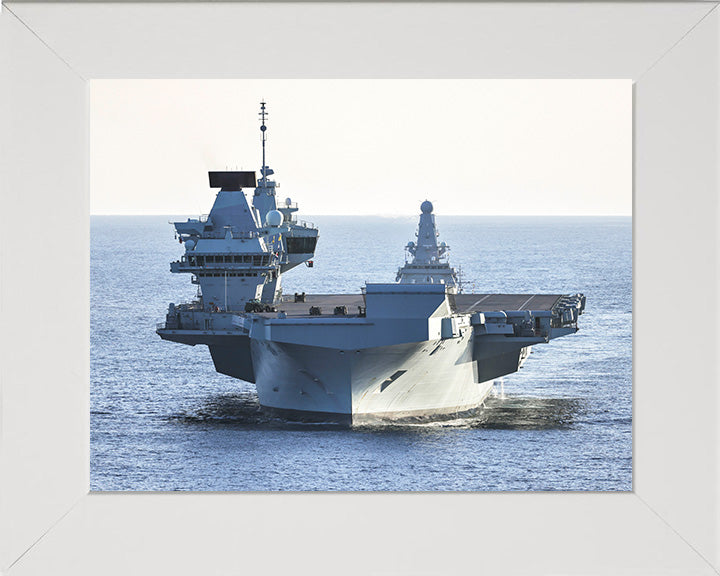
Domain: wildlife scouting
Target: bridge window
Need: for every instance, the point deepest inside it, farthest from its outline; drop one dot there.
(301, 245)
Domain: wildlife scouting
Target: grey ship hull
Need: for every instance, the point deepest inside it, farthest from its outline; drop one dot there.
(330, 368)
(388, 383)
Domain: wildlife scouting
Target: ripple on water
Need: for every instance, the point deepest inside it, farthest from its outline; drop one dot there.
(509, 412)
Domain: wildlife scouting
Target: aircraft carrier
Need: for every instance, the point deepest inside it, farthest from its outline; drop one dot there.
(418, 348)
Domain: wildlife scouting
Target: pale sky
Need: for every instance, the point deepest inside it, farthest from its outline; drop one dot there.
(485, 147)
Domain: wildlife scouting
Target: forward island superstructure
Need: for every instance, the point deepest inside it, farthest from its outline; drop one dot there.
(239, 251)
(418, 348)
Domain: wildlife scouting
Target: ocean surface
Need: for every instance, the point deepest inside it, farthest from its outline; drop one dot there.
(163, 419)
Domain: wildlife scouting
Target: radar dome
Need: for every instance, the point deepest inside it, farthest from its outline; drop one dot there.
(288, 202)
(189, 244)
(274, 218)
(426, 207)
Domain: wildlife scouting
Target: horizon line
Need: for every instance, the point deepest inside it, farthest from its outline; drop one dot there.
(395, 215)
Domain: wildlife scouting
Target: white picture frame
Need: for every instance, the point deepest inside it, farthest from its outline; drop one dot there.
(49, 523)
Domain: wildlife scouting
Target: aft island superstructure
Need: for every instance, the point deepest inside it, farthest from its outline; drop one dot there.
(418, 348)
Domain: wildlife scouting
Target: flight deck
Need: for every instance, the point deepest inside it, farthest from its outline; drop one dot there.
(463, 303)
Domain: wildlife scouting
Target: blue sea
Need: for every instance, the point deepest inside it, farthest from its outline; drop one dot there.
(163, 419)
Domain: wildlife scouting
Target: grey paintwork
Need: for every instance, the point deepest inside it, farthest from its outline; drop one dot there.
(416, 348)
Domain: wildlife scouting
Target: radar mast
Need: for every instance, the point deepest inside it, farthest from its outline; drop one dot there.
(263, 128)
